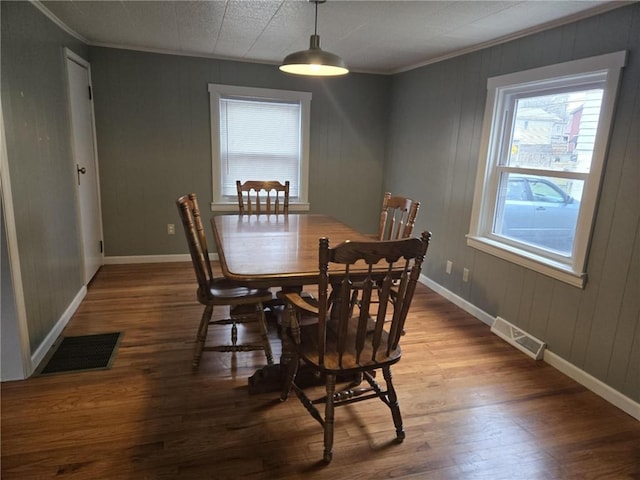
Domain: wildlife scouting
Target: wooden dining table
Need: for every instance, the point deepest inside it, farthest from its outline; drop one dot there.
(278, 251)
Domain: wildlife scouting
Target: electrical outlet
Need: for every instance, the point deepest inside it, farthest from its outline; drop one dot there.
(449, 266)
(465, 274)
(171, 229)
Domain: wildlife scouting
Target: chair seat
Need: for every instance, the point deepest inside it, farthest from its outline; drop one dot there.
(308, 350)
(224, 292)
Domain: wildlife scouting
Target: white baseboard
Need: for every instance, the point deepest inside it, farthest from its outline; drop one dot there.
(146, 259)
(598, 387)
(152, 259)
(468, 307)
(50, 339)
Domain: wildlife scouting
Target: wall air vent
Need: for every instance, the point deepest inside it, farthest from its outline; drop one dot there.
(518, 338)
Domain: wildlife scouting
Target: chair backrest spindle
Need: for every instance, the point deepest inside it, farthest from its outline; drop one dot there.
(258, 197)
(398, 216)
(402, 260)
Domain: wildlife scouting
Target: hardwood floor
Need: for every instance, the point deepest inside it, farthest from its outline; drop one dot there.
(473, 407)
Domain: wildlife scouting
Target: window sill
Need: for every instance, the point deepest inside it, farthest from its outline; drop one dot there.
(539, 264)
(233, 207)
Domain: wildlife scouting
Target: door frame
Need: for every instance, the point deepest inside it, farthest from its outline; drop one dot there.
(69, 55)
(16, 364)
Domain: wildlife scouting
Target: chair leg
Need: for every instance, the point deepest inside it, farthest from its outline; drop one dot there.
(329, 419)
(202, 335)
(393, 404)
(262, 321)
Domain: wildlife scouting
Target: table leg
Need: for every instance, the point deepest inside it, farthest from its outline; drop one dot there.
(271, 378)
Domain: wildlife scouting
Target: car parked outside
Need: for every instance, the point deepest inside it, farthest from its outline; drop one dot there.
(537, 211)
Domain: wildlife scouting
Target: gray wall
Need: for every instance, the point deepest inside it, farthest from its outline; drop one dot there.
(433, 147)
(34, 105)
(10, 345)
(154, 141)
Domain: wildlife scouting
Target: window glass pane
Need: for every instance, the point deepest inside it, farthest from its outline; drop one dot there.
(555, 132)
(259, 140)
(538, 211)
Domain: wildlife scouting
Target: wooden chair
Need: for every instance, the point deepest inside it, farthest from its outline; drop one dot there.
(263, 196)
(219, 291)
(397, 220)
(398, 217)
(341, 343)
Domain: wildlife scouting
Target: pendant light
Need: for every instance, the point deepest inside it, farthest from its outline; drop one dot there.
(315, 61)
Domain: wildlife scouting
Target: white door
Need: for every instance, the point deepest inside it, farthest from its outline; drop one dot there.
(86, 169)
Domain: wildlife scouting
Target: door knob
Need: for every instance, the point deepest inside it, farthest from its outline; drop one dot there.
(80, 171)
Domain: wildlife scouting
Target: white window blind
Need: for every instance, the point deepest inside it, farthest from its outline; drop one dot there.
(259, 140)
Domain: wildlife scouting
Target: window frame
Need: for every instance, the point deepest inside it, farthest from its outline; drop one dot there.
(229, 203)
(501, 92)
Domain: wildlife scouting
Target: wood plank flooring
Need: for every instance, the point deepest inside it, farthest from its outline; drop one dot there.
(473, 407)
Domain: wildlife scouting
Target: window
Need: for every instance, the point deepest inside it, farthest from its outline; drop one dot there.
(259, 134)
(542, 155)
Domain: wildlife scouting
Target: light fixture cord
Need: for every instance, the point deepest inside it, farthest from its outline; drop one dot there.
(315, 28)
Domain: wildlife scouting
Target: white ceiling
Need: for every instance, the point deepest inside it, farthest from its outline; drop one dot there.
(371, 36)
